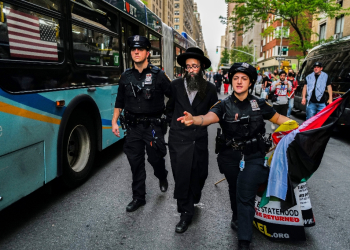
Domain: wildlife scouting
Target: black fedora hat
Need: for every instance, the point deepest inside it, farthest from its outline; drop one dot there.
(196, 53)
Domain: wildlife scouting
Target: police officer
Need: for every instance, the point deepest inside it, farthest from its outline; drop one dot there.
(141, 95)
(241, 156)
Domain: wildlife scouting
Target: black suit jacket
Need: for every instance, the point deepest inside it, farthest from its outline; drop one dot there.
(188, 146)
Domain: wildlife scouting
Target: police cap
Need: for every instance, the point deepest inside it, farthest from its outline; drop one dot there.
(245, 68)
(139, 42)
(318, 64)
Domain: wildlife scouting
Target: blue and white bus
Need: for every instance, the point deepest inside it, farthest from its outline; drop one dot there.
(60, 64)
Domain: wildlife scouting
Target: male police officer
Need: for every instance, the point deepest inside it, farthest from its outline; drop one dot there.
(141, 95)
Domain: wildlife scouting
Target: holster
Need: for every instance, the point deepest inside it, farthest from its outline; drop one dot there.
(122, 121)
(219, 141)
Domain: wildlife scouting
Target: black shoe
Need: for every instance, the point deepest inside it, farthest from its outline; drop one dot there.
(182, 226)
(234, 224)
(163, 184)
(134, 205)
(243, 245)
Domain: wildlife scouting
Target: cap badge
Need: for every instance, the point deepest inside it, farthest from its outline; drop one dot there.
(245, 65)
(136, 38)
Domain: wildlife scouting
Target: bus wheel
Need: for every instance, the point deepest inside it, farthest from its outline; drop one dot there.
(79, 149)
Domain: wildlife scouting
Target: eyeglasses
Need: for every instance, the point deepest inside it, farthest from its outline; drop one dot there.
(194, 66)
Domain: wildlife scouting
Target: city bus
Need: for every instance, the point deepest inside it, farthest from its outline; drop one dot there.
(335, 57)
(60, 64)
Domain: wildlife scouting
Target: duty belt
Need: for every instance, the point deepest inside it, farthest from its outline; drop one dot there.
(236, 145)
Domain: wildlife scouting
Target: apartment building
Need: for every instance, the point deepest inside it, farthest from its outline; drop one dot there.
(163, 9)
(183, 16)
(271, 48)
(337, 27)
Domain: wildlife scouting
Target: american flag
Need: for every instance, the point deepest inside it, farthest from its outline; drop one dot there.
(30, 37)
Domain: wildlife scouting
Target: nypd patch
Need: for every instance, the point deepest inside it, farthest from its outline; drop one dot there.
(215, 104)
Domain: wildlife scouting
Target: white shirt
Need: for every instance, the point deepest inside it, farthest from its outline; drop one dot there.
(192, 94)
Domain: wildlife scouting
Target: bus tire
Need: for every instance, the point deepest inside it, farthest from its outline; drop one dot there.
(79, 149)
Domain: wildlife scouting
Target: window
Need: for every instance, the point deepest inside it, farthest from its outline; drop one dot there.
(264, 41)
(339, 25)
(154, 9)
(176, 27)
(176, 20)
(277, 32)
(177, 5)
(176, 13)
(36, 37)
(322, 31)
(54, 4)
(155, 50)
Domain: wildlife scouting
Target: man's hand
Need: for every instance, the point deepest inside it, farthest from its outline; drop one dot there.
(115, 129)
(303, 101)
(187, 119)
(330, 100)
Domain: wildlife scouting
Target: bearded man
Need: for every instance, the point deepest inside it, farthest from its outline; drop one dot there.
(188, 146)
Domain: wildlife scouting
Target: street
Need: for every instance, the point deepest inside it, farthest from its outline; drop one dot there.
(93, 215)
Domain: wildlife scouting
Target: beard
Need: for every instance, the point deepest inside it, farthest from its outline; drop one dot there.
(196, 82)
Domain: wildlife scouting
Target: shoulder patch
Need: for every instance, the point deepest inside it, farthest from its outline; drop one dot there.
(268, 103)
(215, 104)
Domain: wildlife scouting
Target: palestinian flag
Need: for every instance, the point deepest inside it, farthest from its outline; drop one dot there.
(299, 154)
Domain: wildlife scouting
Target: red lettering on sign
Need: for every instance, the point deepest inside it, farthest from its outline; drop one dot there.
(127, 5)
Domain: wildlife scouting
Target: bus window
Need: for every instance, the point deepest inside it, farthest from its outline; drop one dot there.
(155, 55)
(94, 48)
(49, 4)
(30, 36)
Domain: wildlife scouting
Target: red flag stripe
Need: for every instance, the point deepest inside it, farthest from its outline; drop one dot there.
(21, 27)
(34, 57)
(15, 19)
(38, 50)
(24, 35)
(23, 14)
(319, 119)
(16, 41)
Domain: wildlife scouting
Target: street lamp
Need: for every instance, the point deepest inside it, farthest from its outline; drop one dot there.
(217, 49)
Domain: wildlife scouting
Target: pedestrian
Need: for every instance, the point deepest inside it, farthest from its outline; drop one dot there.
(315, 85)
(218, 78)
(266, 83)
(188, 146)
(226, 84)
(141, 95)
(275, 75)
(242, 150)
(291, 94)
(280, 89)
(207, 75)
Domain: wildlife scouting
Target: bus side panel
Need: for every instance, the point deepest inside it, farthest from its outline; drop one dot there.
(23, 175)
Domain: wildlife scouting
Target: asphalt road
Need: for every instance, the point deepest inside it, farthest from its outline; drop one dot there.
(93, 215)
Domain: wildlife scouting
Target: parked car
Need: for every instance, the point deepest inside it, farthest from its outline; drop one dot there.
(335, 57)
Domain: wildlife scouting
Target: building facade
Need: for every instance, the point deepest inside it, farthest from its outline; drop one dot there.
(183, 16)
(164, 9)
(272, 48)
(331, 28)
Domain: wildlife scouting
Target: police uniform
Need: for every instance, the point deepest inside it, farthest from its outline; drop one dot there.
(243, 140)
(141, 95)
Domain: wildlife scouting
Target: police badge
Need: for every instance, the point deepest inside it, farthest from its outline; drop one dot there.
(148, 80)
(136, 38)
(255, 105)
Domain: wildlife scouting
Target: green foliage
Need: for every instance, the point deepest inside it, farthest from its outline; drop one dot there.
(296, 14)
(210, 69)
(225, 57)
(145, 2)
(237, 56)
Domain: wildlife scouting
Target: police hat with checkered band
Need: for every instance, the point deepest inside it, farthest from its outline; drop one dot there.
(139, 42)
(245, 68)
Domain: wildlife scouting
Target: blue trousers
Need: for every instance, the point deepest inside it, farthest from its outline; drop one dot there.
(243, 186)
(290, 106)
(313, 108)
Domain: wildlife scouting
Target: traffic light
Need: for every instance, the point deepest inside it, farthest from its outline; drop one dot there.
(217, 50)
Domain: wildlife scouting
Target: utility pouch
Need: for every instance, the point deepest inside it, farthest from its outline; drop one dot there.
(254, 145)
(247, 150)
(219, 141)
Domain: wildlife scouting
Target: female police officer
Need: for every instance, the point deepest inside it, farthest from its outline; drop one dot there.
(241, 157)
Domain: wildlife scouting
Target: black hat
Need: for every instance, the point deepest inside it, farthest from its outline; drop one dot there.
(139, 42)
(318, 64)
(244, 68)
(195, 53)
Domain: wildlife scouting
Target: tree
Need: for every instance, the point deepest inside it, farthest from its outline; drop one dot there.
(297, 14)
(225, 57)
(237, 56)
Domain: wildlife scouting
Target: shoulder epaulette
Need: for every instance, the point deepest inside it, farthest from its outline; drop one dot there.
(154, 69)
